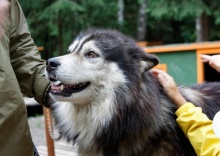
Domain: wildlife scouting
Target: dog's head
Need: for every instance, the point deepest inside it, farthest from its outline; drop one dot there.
(96, 60)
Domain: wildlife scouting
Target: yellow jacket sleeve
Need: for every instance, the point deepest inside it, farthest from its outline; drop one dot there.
(198, 128)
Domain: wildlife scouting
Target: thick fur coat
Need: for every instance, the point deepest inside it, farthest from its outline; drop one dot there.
(108, 103)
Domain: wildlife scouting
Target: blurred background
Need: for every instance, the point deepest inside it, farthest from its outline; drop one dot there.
(54, 23)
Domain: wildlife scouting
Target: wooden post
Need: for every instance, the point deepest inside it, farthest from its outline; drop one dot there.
(48, 123)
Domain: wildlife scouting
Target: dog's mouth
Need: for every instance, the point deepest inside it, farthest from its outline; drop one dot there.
(62, 89)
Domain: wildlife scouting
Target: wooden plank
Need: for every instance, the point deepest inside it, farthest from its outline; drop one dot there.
(61, 149)
(47, 122)
(181, 47)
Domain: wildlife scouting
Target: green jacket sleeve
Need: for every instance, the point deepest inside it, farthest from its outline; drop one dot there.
(198, 128)
(25, 58)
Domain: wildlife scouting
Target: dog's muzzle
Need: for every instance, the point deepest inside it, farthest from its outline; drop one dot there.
(51, 65)
(57, 86)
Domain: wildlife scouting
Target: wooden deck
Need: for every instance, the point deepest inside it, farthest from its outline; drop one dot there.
(61, 149)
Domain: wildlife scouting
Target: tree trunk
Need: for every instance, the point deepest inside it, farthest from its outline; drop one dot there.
(202, 28)
(60, 36)
(142, 21)
(120, 13)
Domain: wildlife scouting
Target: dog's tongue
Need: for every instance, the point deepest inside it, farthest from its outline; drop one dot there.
(58, 86)
(55, 87)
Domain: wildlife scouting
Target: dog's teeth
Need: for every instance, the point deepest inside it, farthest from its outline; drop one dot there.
(61, 87)
(57, 83)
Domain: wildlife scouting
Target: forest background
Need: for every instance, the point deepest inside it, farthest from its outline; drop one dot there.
(54, 23)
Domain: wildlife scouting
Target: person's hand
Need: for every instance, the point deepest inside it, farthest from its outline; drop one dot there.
(214, 61)
(169, 86)
(48, 99)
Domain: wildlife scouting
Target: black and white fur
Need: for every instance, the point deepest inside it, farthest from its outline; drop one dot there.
(108, 103)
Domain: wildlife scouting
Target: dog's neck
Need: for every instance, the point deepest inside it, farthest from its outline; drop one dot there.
(87, 120)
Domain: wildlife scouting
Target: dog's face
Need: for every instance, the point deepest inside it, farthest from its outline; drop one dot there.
(98, 61)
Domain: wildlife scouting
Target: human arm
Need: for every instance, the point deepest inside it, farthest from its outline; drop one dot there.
(195, 124)
(25, 58)
(169, 87)
(198, 129)
(169, 84)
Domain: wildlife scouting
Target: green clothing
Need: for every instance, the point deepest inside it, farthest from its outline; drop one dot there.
(21, 72)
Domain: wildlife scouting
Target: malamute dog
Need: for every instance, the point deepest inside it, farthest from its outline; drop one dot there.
(108, 103)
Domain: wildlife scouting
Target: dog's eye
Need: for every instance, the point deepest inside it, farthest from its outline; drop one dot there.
(91, 54)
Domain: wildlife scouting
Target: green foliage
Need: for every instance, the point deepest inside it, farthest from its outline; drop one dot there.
(130, 16)
(44, 17)
(54, 23)
(177, 9)
(98, 13)
(62, 7)
(186, 12)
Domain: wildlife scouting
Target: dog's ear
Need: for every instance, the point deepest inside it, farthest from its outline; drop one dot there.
(148, 61)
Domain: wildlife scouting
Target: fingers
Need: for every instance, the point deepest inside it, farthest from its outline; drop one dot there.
(169, 86)
(214, 61)
(212, 64)
(215, 65)
(164, 78)
(156, 72)
(206, 58)
(161, 74)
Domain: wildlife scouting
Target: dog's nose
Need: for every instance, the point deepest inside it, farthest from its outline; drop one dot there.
(52, 64)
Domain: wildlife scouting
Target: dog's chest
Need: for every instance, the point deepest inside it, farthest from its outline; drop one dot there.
(80, 125)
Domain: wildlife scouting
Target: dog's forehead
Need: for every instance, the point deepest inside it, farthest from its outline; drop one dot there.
(73, 45)
(107, 42)
(101, 39)
(77, 43)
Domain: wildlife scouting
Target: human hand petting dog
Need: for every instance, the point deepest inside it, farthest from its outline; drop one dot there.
(169, 84)
(214, 61)
(169, 87)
